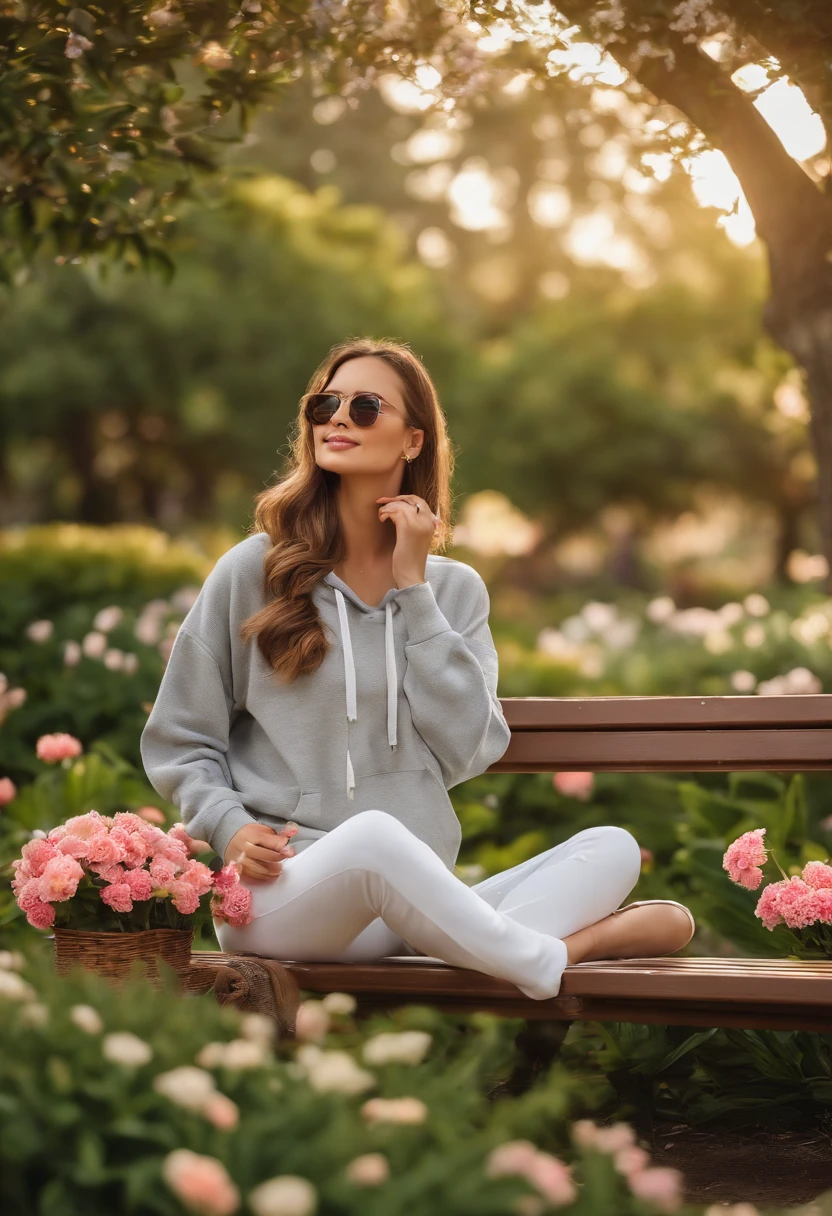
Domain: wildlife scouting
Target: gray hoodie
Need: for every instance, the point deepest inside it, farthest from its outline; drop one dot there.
(228, 741)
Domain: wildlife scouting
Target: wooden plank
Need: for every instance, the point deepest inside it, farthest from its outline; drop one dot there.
(621, 751)
(665, 713)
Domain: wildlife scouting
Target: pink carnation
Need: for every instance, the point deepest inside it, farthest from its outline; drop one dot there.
(133, 846)
(83, 826)
(199, 876)
(574, 785)
(40, 915)
(73, 846)
(744, 856)
(162, 871)
(36, 853)
(117, 896)
(817, 874)
(8, 791)
(660, 1186)
(151, 813)
(822, 905)
(795, 903)
(767, 908)
(60, 879)
(227, 878)
(53, 748)
(139, 883)
(173, 850)
(129, 821)
(185, 896)
(113, 873)
(105, 849)
(234, 906)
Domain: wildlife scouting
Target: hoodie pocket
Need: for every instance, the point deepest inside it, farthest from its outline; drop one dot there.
(308, 805)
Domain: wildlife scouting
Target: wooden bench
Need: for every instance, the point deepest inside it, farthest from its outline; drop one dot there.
(601, 734)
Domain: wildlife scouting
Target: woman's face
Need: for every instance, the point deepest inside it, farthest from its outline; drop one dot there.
(376, 448)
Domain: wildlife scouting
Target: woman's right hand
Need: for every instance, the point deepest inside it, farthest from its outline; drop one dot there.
(260, 850)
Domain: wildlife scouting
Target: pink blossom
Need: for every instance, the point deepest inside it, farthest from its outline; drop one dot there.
(767, 908)
(743, 857)
(129, 821)
(133, 846)
(552, 1178)
(629, 1160)
(112, 873)
(73, 846)
(60, 879)
(574, 785)
(227, 878)
(794, 903)
(822, 905)
(53, 748)
(194, 846)
(221, 1111)
(660, 1186)
(83, 826)
(165, 846)
(151, 813)
(40, 915)
(35, 855)
(8, 791)
(139, 883)
(201, 1183)
(512, 1157)
(234, 906)
(185, 897)
(162, 871)
(104, 849)
(117, 896)
(199, 876)
(817, 874)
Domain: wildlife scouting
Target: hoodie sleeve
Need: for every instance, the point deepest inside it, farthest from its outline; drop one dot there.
(185, 740)
(450, 680)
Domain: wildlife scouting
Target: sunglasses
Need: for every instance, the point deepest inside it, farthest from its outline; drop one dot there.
(364, 407)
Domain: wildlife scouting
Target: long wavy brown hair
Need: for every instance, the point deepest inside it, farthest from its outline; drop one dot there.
(300, 513)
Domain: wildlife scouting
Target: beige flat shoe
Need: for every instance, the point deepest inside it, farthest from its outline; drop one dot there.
(640, 903)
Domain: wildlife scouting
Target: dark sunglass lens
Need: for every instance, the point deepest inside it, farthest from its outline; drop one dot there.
(365, 408)
(321, 406)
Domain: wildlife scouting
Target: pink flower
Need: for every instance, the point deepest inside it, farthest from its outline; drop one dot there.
(552, 1178)
(194, 846)
(165, 846)
(574, 785)
(133, 846)
(235, 907)
(370, 1169)
(104, 849)
(73, 846)
(113, 873)
(629, 1160)
(162, 871)
(660, 1186)
(83, 826)
(767, 908)
(199, 876)
(53, 748)
(40, 915)
(201, 1183)
(129, 821)
(742, 858)
(222, 1112)
(151, 813)
(794, 903)
(117, 896)
(822, 905)
(60, 879)
(8, 791)
(227, 877)
(185, 897)
(139, 883)
(817, 874)
(512, 1157)
(35, 854)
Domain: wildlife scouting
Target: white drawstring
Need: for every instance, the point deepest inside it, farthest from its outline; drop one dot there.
(349, 678)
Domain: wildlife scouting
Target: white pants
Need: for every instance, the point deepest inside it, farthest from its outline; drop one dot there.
(370, 888)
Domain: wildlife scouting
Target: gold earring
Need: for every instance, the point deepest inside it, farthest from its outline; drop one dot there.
(406, 457)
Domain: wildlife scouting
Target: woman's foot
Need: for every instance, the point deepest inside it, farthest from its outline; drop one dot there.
(634, 931)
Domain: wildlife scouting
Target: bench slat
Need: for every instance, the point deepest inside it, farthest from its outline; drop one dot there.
(779, 749)
(665, 713)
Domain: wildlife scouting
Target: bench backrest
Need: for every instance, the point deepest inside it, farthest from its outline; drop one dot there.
(667, 734)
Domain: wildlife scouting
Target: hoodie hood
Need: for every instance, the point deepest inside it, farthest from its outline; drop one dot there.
(342, 594)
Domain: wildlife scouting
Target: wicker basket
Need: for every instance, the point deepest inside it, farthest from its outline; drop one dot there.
(113, 954)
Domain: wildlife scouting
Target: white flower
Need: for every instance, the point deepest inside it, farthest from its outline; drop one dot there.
(124, 1047)
(113, 659)
(370, 1169)
(244, 1053)
(130, 663)
(259, 1027)
(339, 1002)
(312, 1020)
(286, 1195)
(93, 644)
(599, 616)
(405, 1047)
(337, 1071)
(660, 609)
(718, 641)
(214, 55)
(756, 604)
(754, 636)
(87, 1017)
(148, 627)
(186, 1085)
(39, 631)
(34, 1013)
(394, 1110)
(108, 618)
(72, 653)
(14, 988)
(11, 960)
(743, 681)
(75, 46)
(730, 614)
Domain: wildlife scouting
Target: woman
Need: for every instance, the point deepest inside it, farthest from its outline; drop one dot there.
(348, 602)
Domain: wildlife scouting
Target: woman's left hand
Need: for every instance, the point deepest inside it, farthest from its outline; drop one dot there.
(414, 533)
